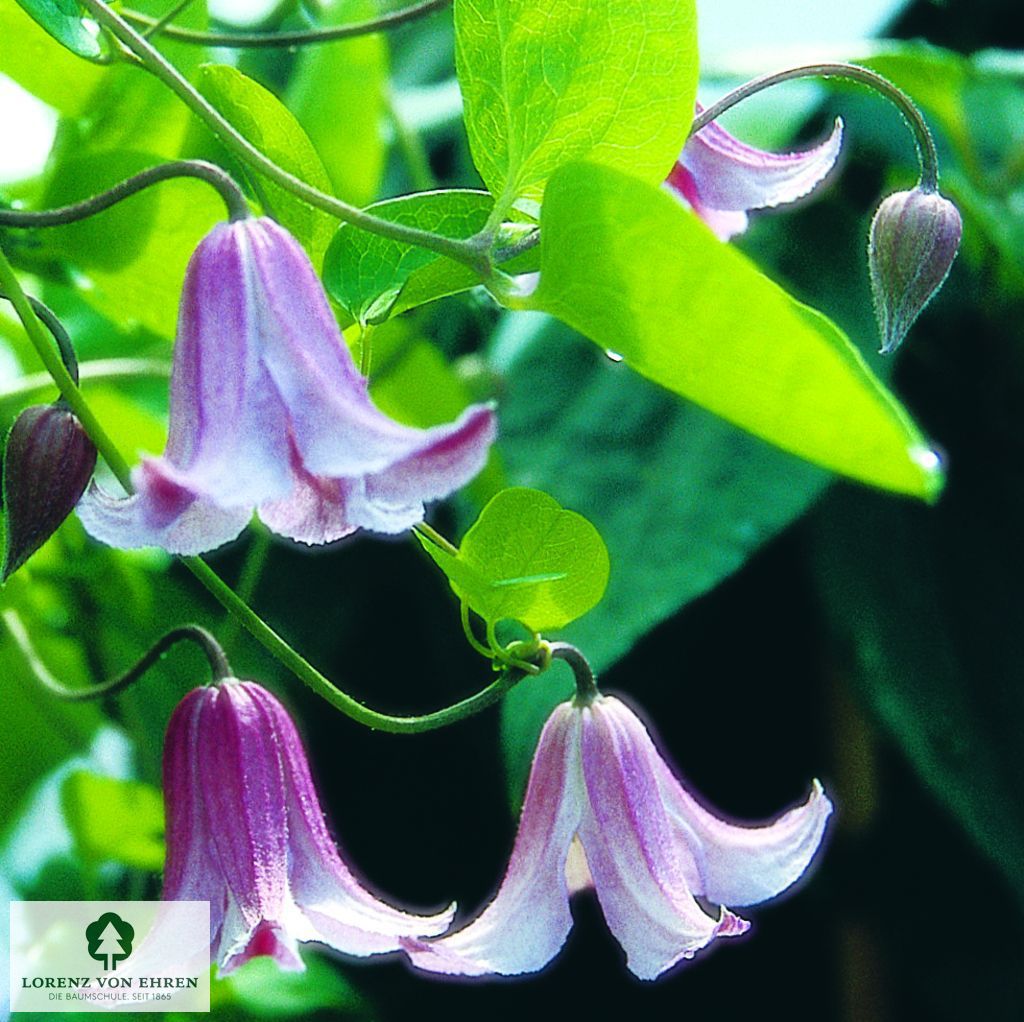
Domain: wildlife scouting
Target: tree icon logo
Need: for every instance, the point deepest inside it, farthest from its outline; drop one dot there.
(109, 940)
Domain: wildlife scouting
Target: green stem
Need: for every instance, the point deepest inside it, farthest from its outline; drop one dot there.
(926, 153)
(307, 673)
(60, 336)
(461, 251)
(158, 25)
(436, 538)
(234, 199)
(55, 367)
(586, 683)
(276, 39)
(219, 666)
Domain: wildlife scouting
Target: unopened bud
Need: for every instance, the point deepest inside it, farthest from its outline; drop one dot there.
(47, 465)
(914, 239)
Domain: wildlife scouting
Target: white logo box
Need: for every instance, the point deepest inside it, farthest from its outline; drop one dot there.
(110, 956)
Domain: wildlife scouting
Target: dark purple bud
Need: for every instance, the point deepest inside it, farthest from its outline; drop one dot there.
(47, 465)
(914, 239)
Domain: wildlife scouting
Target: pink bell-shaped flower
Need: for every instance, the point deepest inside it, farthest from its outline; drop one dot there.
(268, 412)
(603, 809)
(245, 832)
(722, 178)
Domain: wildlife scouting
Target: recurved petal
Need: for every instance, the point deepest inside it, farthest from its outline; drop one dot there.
(447, 457)
(526, 924)
(741, 865)
(163, 512)
(639, 866)
(726, 175)
(335, 907)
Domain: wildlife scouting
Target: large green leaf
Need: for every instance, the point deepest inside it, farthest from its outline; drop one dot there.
(610, 80)
(529, 560)
(63, 20)
(626, 265)
(374, 277)
(270, 126)
(681, 497)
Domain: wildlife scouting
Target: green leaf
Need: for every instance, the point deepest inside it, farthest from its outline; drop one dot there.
(263, 990)
(42, 66)
(270, 126)
(374, 277)
(626, 265)
(529, 560)
(115, 821)
(63, 20)
(613, 81)
(682, 497)
(337, 92)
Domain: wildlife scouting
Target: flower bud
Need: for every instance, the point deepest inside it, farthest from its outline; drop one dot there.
(47, 465)
(914, 239)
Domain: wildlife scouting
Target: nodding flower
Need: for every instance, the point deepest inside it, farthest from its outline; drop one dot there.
(722, 178)
(269, 413)
(246, 833)
(604, 810)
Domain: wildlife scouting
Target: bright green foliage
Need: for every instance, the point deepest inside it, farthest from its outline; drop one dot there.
(527, 559)
(374, 277)
(135, 254)
(113, 820)
(63, 20)
(696, 316)
(338, 92)
(38, 63)
(261, 989)
(612, 81)
(268, 124)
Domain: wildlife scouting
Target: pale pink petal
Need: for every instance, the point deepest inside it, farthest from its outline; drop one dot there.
(316, 510)
(744, 865)
(526, 924)
(638, 866)
(722, 178)
(336, 908)
(448, 457)
(163, 512)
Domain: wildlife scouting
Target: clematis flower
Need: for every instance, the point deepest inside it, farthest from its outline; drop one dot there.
(722, 178)
(269, 412)
(603, 809)
(245, 832)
